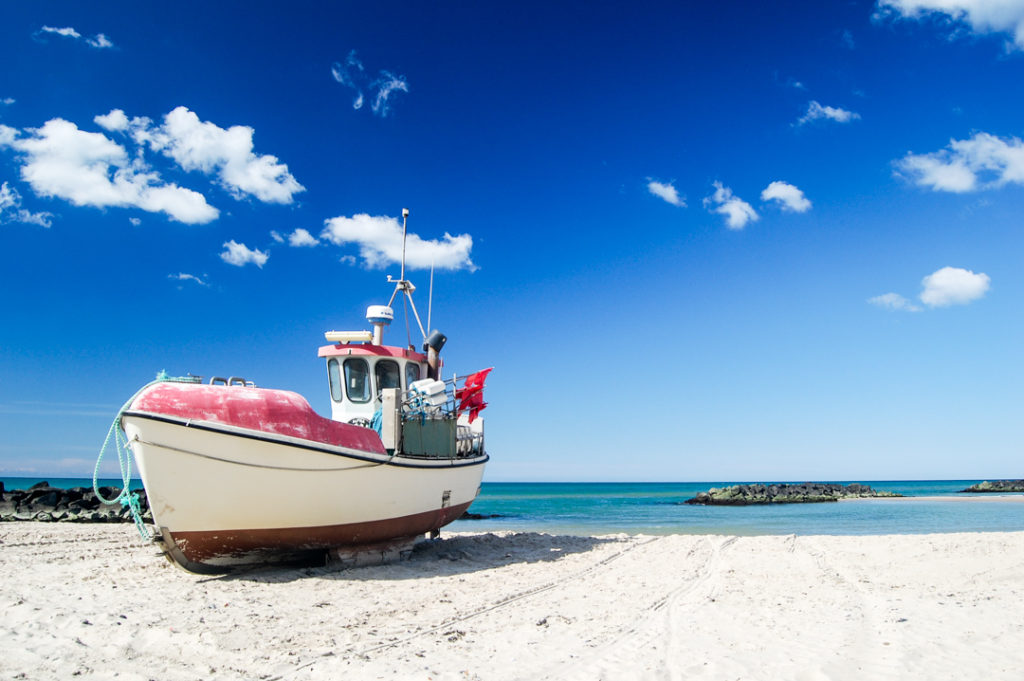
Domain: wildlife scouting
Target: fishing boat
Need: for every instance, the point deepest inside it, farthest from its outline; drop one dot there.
(239, 475)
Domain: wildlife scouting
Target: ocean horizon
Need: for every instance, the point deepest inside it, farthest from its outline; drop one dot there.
(595, 508)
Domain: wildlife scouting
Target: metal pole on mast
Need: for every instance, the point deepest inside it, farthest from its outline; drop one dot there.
(405, 221)
(430, 300)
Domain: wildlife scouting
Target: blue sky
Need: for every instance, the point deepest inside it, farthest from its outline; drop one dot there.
(696, 243)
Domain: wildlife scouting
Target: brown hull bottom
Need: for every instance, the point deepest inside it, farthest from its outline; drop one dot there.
(218, 551)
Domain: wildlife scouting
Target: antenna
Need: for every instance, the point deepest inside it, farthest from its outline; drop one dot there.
(402, 284)
(430, 297)
(405, 220)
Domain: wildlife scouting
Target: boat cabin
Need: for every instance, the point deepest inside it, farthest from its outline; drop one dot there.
(357, 374)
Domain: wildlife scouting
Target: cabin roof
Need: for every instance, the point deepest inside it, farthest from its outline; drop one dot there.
(346, 349)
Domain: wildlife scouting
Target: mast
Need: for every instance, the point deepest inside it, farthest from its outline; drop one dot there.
(402, 284)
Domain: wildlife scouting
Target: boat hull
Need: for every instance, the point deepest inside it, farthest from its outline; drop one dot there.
(225, 496)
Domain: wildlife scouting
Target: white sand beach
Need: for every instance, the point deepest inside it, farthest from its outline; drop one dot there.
(94, 602)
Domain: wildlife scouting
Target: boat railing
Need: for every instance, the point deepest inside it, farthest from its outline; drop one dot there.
(429, 401)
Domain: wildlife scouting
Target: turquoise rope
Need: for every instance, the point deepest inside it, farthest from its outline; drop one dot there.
(125, 497)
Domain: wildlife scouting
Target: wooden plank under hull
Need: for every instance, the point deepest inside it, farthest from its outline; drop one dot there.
(217, 551)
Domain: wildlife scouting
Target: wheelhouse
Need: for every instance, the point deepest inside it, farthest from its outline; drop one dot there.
(357, 373)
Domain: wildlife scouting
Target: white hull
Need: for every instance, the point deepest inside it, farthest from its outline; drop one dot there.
(226, 495)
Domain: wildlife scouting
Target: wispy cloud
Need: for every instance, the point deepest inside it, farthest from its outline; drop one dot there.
(981, 162)
(182, 276)
(980, 16)
(99, 41)
(737, 212)
(239, 254)
(379, 239)
(942, 288)
(7, 101)
(66, 32)
(818, 112)
(352, 74)
(11, 210)
(788, 196)
(666, 192)
(894, 301)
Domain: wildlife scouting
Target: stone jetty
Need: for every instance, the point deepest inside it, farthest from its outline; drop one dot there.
(996, 486)
(41, 502)
(804, 493)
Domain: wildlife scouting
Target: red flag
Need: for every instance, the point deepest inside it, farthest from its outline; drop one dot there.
(472, 392)
(473, 413)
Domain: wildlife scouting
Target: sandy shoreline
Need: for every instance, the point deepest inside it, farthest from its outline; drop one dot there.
(92, 601)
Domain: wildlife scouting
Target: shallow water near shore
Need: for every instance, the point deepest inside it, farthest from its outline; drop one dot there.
(656, 508)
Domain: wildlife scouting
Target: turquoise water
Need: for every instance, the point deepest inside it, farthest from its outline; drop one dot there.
(657, 508)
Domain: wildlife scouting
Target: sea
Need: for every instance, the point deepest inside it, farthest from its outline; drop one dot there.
(592, 508)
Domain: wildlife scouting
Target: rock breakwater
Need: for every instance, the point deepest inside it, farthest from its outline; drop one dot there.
(41, 502)
(804, 493)
(995, 486)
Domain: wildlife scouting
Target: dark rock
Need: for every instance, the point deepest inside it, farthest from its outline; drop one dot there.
(803, 493)
(77, 504)
(479, 516)
(995, 486)
(39, 485)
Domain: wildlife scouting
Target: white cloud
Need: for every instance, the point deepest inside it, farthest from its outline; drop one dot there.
(352, 74)
(385, 85)
(66, 32)
(99, 41)
(347, 260)
(380, 243)
(208, 148)
(791, 198)
(737, 212)
(89, 169)
(981, 162)
(666, 192)
(239, 254)
(7, 101)
(135, 221)
(301, 237)
(894, 301)
(7, 135)
(11, 210)
(182, 276)
(982, 16)
(944, 287)
(276, 236)
(113, 121)
(953, 286)
(817, 112)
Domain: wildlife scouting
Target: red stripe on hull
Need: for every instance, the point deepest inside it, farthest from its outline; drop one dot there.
(221, 550)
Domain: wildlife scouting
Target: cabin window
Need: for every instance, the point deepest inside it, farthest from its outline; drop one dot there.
(412, 373)
(334, 374)
(387, 375)
(357, 383)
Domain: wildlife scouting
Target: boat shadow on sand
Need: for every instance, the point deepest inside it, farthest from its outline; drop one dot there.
(445, 556)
